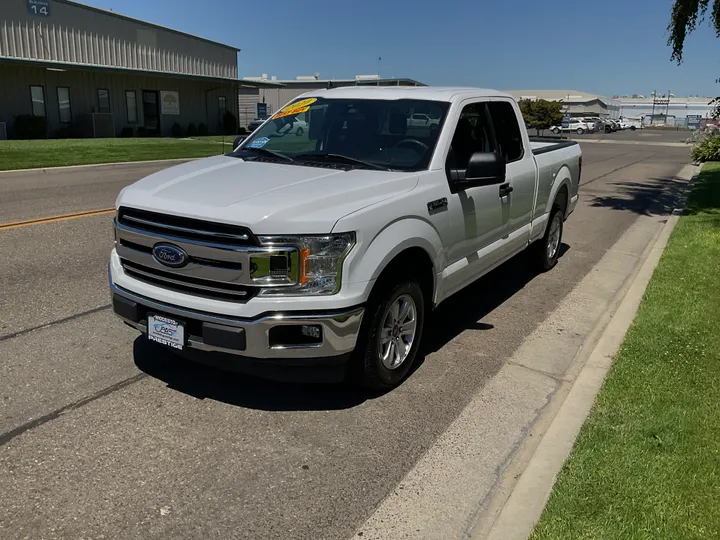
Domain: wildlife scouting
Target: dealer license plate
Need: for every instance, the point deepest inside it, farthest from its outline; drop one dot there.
(166, 331)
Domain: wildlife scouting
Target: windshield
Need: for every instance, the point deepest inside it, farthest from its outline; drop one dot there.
(371, 133)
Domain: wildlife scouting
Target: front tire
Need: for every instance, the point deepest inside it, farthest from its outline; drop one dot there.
(556, 131)
(299, 131)
(547, 250)
(632, 128)
(390, 335)
(580, 131)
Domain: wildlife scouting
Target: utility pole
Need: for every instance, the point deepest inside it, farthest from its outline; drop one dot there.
(652, 114)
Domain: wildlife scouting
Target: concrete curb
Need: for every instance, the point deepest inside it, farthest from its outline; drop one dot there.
(524, 506)
(90, 165)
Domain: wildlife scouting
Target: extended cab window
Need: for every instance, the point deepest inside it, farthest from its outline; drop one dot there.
(507, 130)
(472, 134)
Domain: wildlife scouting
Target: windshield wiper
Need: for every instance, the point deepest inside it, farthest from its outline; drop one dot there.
(267, 152)
(343, 159)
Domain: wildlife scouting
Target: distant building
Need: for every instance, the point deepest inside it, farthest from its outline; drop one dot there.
(664, 110)
(575, 103)
(92, 72)
(274, 98)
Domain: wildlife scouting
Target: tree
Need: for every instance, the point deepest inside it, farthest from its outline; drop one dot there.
(684, 18)
(541, 114)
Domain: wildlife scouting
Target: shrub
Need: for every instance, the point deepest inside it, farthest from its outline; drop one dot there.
(707, 149)
(192, 130)
(142, 131)
(127, 131)
(229, 123)
(30, 127)
(176, 130)
(202, 130)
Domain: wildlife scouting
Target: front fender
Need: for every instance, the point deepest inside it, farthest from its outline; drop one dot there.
(376, 252)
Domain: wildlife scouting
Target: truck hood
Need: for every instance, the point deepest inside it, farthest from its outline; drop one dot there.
(268, 198)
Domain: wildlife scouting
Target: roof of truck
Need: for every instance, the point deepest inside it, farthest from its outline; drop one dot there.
(433, 93)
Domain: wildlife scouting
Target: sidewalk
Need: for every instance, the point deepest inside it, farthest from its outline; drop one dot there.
(647, 461)
(460, 485)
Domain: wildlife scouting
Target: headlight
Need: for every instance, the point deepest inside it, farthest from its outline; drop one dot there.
(318, 263)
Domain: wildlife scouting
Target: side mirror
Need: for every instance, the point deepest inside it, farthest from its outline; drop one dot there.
(485, 169)
(238, 141)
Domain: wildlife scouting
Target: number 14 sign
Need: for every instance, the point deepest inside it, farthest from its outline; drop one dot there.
(39, 7)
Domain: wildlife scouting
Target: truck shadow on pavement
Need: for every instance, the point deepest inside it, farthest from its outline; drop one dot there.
(658, 198)
(453, 317)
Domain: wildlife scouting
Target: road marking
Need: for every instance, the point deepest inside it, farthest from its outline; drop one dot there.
(53, 219)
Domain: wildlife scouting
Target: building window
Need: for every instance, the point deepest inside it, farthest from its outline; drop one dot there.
(103, 100)
(222, 107)
(131, 104)
(63, 95)
(37, 97)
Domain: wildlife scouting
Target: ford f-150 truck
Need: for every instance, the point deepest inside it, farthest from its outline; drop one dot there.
(329, 249)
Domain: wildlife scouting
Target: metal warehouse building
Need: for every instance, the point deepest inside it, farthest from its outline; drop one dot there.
(286, 90)
(576, 103)
(92, 72)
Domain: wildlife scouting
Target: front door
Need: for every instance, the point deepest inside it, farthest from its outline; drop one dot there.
(478, 215)
(151, 111)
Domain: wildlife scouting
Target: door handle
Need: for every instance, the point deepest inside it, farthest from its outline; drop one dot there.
(505, 190)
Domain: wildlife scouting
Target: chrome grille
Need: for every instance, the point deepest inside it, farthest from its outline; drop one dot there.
(192, 229)
(188, 284)
(224, 262)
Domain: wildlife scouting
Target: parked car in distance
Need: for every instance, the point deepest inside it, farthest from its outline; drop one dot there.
(326, 253)
(571, 124)
(422, 120)
(592, 126)
(630, 123)
(252, 126)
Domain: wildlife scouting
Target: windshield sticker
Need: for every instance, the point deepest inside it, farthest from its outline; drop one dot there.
(298, 107)
(259, 142)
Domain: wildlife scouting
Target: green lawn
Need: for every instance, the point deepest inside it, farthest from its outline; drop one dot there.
(647, 462)
(56, 152)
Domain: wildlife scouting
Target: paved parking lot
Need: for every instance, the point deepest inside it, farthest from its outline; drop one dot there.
(104, 434)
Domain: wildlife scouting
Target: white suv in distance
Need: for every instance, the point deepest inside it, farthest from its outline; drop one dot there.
(577, 125)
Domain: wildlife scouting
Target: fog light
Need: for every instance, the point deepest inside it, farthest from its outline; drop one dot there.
(295, 335)
(312, 331)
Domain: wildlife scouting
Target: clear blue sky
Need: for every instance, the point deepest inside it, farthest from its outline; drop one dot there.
(521, 44)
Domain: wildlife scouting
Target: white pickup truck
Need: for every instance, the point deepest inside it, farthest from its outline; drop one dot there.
(328, 249)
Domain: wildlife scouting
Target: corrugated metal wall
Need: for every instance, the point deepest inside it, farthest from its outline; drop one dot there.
(77, 34)
(198, 98)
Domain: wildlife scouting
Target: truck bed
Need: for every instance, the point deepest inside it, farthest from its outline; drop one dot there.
(542, 145)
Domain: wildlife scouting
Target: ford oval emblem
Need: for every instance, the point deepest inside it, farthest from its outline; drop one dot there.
(170, 255)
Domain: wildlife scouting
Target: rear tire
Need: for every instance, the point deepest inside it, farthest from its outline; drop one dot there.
(299, 131)
(390, 335)
(632, 128)
(546, 251)
(580, 131)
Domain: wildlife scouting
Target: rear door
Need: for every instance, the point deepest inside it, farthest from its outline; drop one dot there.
(521, 173)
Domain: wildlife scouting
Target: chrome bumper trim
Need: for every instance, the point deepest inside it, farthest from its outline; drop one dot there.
(340, 329)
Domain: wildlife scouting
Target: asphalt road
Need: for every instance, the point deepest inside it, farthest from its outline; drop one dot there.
(105, 435)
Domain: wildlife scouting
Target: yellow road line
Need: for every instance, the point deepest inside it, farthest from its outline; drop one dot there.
(53, 219)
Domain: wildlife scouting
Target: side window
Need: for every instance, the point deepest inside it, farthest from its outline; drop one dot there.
(507, 130)
(472, 134)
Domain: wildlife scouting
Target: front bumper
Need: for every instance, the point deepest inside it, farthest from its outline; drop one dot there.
(254, 338)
